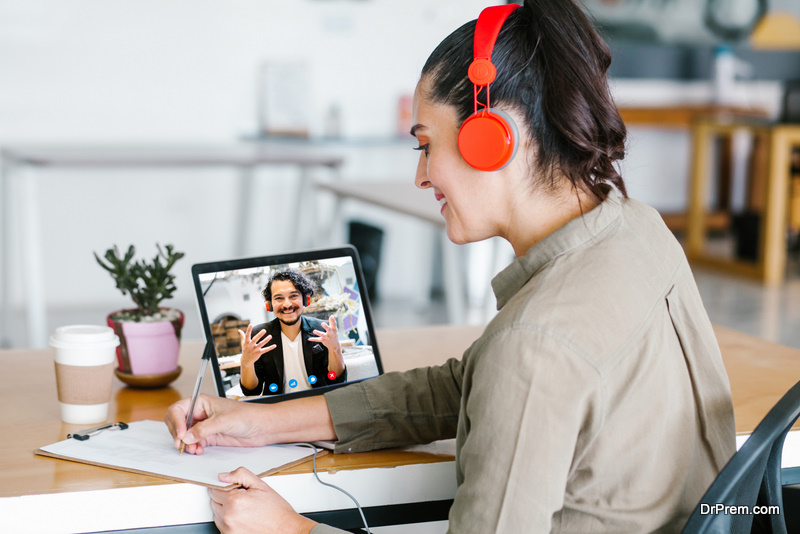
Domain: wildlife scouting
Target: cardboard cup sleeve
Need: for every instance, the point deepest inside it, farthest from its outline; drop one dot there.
(84, 385)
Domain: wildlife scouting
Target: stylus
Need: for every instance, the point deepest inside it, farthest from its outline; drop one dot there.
(197, 385)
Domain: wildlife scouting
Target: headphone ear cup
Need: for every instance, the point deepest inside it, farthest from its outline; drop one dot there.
(488, 140)
(308, 300)
(269, 308)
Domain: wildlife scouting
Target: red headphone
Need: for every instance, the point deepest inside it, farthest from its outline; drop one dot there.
(488, 138)
(308, 303)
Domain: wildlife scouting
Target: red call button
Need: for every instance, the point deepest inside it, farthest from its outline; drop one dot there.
(332, 375)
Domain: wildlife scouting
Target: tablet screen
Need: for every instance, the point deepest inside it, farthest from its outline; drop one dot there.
(287, 326)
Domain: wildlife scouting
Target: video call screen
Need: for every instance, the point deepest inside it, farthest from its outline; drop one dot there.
(231, 298)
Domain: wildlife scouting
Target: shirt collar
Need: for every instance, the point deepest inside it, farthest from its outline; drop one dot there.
(576, 233)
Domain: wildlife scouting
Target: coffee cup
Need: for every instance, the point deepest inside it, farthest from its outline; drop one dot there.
(84, 363)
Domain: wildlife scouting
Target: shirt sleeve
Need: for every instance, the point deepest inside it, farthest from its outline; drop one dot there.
(396, 409)
(255, 391)
(528, 397)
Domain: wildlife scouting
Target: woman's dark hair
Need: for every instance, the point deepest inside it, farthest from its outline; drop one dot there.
(301, 282)
(551, 69)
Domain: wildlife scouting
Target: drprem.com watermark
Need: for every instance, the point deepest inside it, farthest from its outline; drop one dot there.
(719, 508)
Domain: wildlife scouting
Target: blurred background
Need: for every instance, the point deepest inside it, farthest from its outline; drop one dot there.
(336, 77)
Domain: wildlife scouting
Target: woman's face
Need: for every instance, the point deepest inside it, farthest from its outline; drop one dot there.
(472, 202)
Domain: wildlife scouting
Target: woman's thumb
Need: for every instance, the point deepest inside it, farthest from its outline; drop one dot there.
(243, 477)
(201, 430)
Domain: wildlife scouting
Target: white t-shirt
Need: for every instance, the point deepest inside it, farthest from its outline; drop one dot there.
(294, 367)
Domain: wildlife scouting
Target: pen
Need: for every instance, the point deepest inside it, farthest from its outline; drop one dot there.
(198, 383)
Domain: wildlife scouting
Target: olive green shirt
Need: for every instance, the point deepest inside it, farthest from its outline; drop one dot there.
(595, 401)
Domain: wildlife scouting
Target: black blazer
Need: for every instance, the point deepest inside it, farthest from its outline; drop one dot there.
(269, 367)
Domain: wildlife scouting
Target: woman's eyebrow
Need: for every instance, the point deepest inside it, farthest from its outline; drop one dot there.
(415, 128)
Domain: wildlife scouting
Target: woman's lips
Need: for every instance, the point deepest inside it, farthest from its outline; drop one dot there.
(442, 201)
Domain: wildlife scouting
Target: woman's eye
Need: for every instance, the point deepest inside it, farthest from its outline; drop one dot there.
(424, 148)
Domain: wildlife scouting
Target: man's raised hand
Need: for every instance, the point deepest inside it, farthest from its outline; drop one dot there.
(254, 346)
(330, 337)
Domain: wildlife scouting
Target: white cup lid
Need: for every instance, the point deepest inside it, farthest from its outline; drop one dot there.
(83, 335)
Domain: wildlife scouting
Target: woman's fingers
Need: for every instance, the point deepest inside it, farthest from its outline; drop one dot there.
(243, 477)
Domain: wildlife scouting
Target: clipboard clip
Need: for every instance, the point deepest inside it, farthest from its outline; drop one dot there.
(83, 435)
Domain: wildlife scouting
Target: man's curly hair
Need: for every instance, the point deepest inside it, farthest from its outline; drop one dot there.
(301, 282)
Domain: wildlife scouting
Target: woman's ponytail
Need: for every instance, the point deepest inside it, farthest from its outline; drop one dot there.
(576, 101)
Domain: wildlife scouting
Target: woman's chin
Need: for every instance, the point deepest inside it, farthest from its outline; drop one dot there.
(457, 237)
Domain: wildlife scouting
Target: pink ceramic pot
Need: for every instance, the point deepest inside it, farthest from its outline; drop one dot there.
(147, 348)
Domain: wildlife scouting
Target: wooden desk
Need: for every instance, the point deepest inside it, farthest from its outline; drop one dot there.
(773, 194)
(680, 116)
(18, 162)
(113, 500)
(760, 373)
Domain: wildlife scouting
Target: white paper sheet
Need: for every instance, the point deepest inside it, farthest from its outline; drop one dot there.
(148, 446)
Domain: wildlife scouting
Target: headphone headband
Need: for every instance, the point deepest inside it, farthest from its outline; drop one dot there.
(488, 27)
(482, 71)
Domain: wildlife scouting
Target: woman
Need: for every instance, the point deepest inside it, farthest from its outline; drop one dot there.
(596, 399)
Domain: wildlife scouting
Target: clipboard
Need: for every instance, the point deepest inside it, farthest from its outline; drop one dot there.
(147, 448)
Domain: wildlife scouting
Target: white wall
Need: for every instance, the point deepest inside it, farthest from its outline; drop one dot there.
(183, 71)
(90, 70)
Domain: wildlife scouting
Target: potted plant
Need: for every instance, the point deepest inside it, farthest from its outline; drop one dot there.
(149, 334)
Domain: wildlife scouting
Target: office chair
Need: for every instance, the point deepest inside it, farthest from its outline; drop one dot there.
(752, 477)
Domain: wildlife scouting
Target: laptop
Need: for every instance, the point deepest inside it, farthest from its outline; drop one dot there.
(229, 299)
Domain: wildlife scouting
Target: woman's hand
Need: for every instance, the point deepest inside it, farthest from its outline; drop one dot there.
(225, 422)
(254, 507)
(217, 421)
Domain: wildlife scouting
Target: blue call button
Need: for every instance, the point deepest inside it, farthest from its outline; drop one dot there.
(292, 383)
(312, 380)
(273, 388)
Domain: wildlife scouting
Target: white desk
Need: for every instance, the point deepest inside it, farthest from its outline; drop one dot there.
(145, 507)
(406, 199)
(19, 162)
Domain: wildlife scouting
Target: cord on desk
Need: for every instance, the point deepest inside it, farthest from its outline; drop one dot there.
(316, 475)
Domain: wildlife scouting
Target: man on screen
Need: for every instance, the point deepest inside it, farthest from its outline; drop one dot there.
(292, 352)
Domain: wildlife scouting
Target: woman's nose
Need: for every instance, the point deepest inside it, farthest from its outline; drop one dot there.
(421, 180)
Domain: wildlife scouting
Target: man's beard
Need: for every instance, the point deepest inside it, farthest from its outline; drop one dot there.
(290, 323)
